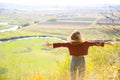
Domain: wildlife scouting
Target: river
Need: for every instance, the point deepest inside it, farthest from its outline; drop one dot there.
(10, 29)
(15, 27)
(29, 37)
(43, 37)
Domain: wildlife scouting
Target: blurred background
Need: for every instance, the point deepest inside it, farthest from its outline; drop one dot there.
(26, 25)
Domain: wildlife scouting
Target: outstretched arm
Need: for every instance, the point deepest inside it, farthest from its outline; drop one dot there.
(110, 43)
(105, 41)
(59, 44)
(99, 43)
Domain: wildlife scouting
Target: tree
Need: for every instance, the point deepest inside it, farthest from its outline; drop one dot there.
(111, 16)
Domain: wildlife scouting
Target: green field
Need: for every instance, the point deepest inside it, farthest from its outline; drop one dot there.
(30, 58)
(25, 58)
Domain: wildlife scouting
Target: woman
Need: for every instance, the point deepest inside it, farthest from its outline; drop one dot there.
(78, 48)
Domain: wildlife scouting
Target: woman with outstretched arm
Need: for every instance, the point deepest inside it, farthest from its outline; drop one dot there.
(78, 48)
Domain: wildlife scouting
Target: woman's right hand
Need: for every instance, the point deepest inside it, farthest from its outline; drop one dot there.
(48, 44)
(111, 43)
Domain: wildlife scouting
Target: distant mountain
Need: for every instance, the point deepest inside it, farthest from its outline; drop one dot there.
(9, 6)
(26, 7)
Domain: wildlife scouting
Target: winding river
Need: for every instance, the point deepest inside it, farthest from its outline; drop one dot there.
(10, 29)
(15, 27)
(29, 37)
(41, 37)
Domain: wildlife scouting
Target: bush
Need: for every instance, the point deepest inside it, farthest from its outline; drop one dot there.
(26, 24)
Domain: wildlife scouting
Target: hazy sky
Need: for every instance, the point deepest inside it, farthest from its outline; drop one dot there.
(62, 2)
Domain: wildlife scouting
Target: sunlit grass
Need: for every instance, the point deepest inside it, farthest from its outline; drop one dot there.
(26, 57)
(31, 59)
